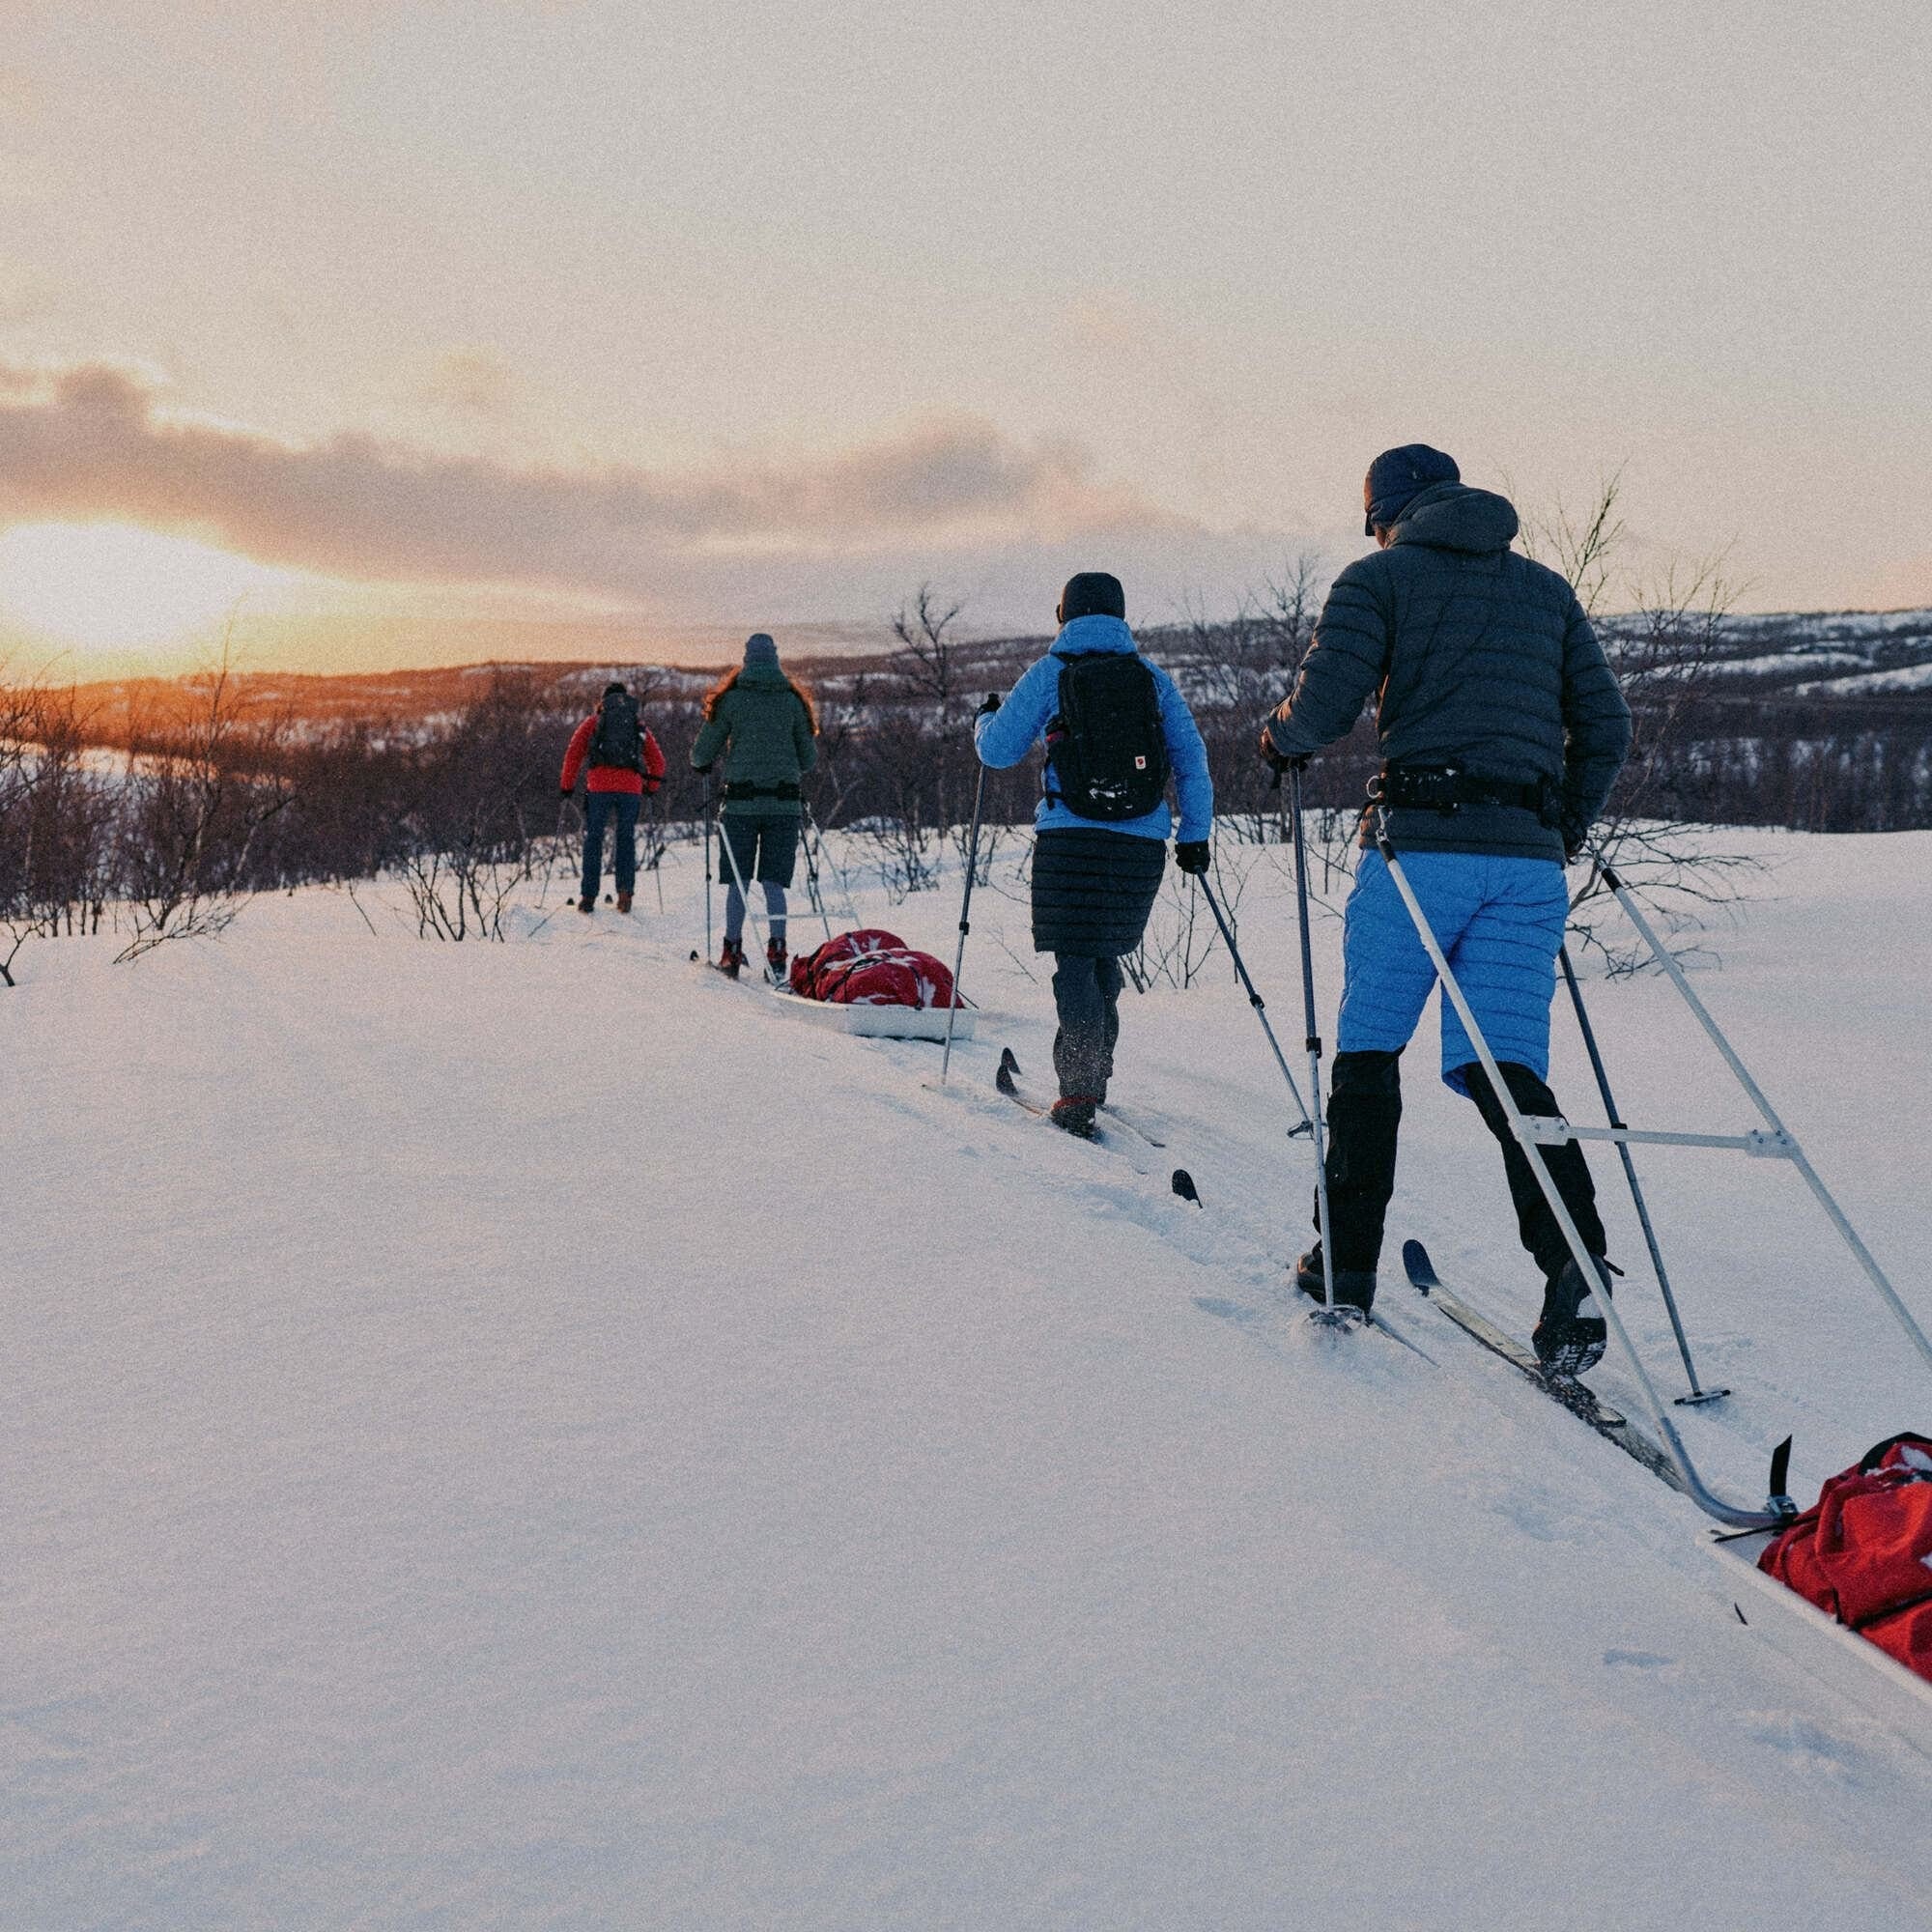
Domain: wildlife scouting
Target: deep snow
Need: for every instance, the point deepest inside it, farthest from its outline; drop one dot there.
(530, 1436)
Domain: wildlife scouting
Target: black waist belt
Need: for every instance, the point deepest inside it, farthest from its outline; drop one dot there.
(1444, 788)
(747, 789)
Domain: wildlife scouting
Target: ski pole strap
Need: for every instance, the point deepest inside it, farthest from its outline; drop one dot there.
(1444, 788)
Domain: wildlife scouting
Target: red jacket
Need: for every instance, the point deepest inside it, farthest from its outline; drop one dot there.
(610, 778)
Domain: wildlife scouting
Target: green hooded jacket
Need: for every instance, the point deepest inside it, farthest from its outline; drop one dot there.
(762, 729)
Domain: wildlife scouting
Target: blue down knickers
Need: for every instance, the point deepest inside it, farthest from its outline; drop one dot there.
(1499, 923)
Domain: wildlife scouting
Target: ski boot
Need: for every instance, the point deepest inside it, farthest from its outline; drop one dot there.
(1354, 1287)
(1571, 1337)
(623, 901)
(1075, 1115)
(775, 960)
(587, 904)
(732, 959)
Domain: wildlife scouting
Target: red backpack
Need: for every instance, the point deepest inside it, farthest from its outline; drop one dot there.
(1864, 1552)
(871, 968)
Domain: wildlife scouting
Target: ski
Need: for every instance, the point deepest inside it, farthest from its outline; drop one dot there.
(1007, 1080)
(1608, 1422)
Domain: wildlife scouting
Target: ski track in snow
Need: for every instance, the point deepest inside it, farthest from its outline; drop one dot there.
(531, 1436)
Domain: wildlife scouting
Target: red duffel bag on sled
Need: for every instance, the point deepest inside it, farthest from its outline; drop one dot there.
(1864, 1554)
(871, 968)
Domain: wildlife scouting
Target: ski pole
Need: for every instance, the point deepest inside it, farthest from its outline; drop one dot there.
(658, 844)
(1590, 1034)
(707, 865)
(965, 924)
(1260, 1005)
(1313, 1042)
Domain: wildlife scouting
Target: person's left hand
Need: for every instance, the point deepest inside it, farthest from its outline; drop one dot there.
(1274, 760)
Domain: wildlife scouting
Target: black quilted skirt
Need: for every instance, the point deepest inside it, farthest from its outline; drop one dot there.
(1092, 891)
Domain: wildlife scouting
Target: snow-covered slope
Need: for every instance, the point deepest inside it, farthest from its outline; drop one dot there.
(531, 1436)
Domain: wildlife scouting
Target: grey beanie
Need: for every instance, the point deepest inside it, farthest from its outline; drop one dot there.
(760, 651)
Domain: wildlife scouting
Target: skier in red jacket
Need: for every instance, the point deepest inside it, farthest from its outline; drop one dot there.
(625, 763)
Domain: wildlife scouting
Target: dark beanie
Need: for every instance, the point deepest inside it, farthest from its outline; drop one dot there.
(1397, 477)
(614, 686)
(760, 651)
(1093, 593)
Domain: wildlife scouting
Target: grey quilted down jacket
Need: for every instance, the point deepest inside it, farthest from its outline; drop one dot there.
(1476, 657)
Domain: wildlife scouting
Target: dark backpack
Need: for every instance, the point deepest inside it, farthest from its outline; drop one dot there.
(618, 740)
(1106, 749)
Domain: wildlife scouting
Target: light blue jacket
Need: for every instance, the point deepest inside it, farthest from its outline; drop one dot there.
(1004, 737)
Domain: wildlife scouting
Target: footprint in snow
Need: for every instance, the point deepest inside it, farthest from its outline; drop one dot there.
(1639, 1659)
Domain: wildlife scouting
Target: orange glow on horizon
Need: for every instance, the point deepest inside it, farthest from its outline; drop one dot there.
(119, 586)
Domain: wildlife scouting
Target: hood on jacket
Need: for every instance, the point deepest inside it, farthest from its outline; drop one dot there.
(1452, 515)
(1093, 634)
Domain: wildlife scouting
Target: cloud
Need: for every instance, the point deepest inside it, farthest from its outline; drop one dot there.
(474, 381)
(95, 440)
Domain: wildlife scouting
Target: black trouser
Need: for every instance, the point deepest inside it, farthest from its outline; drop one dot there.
(1087, 994)
(1364, 1121)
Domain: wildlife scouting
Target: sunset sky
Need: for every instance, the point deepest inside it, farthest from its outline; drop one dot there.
(690, 319)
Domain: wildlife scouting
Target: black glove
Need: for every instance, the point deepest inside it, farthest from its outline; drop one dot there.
(1193, 856)
(1275, 761)
(991, 705)
(704, 771)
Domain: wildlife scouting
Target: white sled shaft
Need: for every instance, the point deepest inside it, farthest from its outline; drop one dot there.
(1695, 1485)
(1788, 1147)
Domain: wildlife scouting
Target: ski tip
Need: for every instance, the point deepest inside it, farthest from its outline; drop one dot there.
(1004, 1080)
(1418, 1265)
(693, 955)
(1183, 1185)
(1008, 1061)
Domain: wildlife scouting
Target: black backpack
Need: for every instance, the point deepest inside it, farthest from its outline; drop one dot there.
(1106, 750)
(618, 740)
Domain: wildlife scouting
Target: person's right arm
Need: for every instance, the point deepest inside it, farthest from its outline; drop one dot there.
(1004, 737)
(1347, 660)
(1595, 727)
(804, 745)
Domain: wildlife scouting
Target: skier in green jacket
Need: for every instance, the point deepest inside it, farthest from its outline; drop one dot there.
(764, 726)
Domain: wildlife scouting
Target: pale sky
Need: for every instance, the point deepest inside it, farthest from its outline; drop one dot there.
(692, 315)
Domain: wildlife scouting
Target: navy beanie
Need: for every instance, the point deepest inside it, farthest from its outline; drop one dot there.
(614, 686)
(1093, 593)
(1397, 477)
(759, 649)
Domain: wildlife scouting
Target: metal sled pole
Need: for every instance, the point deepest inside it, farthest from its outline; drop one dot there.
(1695, 1485)
(1314, 1045)
(745, 898)
(1260, 1005)
(1589, 1033)
(1787, 1145)
(965, 925)
(809, 830)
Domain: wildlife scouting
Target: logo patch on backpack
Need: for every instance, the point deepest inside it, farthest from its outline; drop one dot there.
(1106, 750)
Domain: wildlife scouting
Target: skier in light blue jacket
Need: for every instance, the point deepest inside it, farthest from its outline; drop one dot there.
(1116, 731)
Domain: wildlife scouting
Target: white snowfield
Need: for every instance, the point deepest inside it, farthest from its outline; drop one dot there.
(528, 1437)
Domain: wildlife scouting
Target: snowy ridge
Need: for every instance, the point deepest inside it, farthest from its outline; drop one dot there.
(521, 1436)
